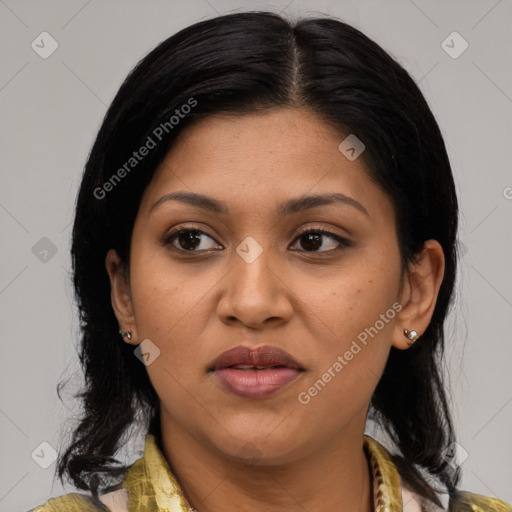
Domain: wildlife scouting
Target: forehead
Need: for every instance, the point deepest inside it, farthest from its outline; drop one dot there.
(265, 136)
(260, 158)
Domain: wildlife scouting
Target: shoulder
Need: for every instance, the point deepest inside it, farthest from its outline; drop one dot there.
(465, 501)
(72, 502)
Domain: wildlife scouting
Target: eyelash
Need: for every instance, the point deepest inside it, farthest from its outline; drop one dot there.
(170, 237)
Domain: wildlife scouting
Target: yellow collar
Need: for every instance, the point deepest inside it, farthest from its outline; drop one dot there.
(152, 486)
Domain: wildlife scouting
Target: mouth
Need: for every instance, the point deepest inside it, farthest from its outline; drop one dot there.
(255, 373)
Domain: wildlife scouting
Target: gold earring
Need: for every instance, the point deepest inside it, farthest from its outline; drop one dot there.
(412, 336)
(127, 335)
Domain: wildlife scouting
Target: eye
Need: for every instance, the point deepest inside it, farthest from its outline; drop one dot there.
(312, 240)
(188, 240)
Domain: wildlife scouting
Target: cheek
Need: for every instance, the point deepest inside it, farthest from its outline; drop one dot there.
(167, 311)
(357, 315)
(354, 297)
(351, 358)
(157, 305)
(164, 294)
(172, 305)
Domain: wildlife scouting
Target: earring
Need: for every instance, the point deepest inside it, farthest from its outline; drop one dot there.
(411, 335)
(127, 335)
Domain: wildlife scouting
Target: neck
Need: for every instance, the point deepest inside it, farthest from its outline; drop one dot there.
(334, 477)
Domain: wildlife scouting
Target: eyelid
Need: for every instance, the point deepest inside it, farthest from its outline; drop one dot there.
(342, 240)
(319, 229)
(168, 235)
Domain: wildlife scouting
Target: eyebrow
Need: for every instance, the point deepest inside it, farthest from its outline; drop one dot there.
(289, 207)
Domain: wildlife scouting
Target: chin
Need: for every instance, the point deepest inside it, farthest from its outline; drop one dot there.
(264, 447)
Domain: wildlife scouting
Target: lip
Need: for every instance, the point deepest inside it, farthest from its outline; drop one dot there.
(254, 382)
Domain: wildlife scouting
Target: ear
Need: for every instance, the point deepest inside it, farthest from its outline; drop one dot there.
(418, 297)
(120, 293)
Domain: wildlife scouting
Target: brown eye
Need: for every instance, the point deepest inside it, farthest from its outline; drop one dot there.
(188, 240)
(314, 239)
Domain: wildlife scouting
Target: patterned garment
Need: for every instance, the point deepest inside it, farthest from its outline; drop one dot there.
(149, 486)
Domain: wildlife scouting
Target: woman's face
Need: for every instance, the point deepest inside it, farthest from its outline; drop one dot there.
(246, 275)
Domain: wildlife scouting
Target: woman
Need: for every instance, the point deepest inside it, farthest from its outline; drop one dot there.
(268, 221)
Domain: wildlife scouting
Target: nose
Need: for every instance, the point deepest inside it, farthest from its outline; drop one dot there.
(256, 294)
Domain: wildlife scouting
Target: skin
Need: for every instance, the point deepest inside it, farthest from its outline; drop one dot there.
(311, 301)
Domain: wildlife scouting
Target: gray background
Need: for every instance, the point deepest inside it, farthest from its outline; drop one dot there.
(51, 110)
